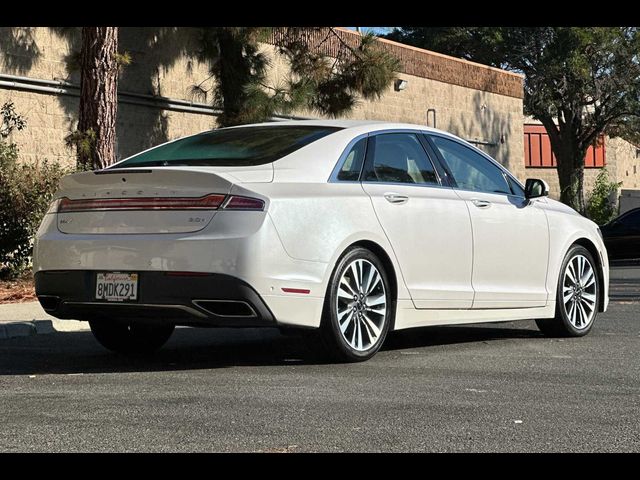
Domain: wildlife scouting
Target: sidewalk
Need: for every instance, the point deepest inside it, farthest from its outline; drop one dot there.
(28, 318)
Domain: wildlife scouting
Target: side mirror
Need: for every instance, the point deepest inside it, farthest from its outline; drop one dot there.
(535, 188)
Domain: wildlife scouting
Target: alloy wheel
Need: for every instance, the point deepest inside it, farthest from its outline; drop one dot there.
(579, 292)
(361, 305)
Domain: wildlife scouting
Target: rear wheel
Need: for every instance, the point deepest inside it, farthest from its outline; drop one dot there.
(131, 337)
(577, 297)
(358, 309)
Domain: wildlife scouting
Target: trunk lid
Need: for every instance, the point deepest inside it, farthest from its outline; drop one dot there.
(170, 185)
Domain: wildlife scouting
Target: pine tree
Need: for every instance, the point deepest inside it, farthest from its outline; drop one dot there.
(327, 85)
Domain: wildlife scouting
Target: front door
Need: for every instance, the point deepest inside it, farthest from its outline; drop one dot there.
(510, 233)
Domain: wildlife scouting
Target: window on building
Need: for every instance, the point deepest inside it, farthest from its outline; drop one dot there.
(538, 153)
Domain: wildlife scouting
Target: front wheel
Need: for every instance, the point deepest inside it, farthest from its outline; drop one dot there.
(577, 297)
(130, 337)
(358, 308)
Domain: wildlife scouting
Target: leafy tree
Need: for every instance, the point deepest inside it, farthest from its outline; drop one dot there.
(329, 86)
(579, 82)
(25, 192)
(478, 44)
(600, 208)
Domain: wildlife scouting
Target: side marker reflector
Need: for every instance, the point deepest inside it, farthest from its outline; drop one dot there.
(296, 290)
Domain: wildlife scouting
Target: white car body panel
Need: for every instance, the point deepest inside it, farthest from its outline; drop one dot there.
(508, 233)
(310, 221)
(433, 219)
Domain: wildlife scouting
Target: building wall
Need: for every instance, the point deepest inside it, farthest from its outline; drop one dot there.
(473, 101)
(623, 162)
(159, 68)
(550, 175)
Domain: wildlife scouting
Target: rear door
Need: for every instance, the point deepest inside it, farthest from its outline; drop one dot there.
(425, 221)
(510, 233)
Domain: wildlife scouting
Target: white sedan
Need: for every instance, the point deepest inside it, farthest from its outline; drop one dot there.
(347, 228)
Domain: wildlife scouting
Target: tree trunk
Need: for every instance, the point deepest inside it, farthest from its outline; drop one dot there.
(98, 96)
(570, 159)
(233, 76)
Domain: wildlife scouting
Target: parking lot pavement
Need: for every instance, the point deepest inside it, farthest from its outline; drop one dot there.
(501, 387)
(625, 283)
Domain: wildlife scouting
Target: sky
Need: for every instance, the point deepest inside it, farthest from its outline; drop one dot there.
(374, 30)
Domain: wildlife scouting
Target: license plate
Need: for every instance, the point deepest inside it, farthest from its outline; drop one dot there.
(117, 287)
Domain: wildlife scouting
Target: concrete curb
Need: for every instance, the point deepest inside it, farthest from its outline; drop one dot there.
(28, 318)
(40, 327)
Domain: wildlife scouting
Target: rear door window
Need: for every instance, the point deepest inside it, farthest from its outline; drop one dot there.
(400, 158)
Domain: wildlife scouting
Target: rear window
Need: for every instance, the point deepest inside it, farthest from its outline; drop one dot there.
(231, 147)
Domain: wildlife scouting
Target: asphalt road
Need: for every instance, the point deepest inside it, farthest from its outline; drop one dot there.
(501, 387)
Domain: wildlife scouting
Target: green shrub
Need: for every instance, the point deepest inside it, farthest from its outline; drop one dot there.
(600, 208)
(25, 192)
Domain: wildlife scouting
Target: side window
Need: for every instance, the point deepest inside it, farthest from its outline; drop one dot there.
(400, 158)
(470, 170)
(515, 188)
(352, 165)
(632, 220)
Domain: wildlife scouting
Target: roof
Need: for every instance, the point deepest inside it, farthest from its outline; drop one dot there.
(360, 125)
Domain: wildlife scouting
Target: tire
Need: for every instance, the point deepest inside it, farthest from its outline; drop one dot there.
(577, 303)
(354, 328)
(131, 337)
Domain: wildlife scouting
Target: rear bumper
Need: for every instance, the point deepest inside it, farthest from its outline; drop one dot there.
(199, 300)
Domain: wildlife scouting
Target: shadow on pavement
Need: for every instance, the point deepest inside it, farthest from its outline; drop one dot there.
(193, 349)
(449, 335)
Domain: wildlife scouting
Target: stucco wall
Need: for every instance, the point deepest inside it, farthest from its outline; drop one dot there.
(162, 67)
(623, 162)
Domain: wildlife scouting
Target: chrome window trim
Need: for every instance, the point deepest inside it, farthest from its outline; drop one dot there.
(504, 171)
(399, 184)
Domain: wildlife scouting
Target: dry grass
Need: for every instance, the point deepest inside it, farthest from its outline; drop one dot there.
(18, 290)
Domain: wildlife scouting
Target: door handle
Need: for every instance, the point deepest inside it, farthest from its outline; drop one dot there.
(396, 198)
(481, 203)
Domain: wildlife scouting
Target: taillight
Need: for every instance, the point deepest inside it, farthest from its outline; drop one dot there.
(235, 202)
(208, 202)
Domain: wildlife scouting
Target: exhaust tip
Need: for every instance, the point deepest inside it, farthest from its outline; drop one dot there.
(49, 302)
(226, 308)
